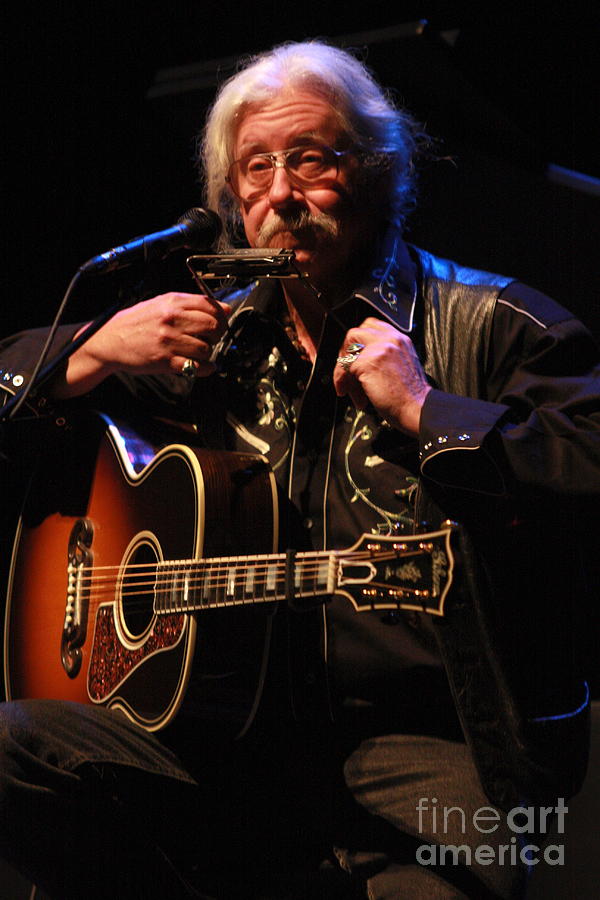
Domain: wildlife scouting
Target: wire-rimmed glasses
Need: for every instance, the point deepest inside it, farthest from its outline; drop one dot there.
(312, 165)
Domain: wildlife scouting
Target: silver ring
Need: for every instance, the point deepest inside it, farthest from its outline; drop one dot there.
(189, 368)
(351, 355)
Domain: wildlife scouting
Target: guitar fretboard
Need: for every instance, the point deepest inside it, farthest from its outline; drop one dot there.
(189, 586)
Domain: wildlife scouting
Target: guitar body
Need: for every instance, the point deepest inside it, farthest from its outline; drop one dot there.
(107, 500)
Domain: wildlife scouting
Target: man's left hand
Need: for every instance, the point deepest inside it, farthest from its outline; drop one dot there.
(386, 373)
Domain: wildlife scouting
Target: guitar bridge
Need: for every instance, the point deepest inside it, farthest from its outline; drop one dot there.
(74, 629)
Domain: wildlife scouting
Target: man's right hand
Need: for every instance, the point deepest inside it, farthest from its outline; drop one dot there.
(155, 336)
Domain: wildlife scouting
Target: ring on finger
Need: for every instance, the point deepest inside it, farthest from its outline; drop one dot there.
(189, 368)
(355, 348)
(351, 355)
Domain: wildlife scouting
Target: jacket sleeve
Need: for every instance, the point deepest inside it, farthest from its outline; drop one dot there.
(20, 352)
(150, 394)
(538, 427)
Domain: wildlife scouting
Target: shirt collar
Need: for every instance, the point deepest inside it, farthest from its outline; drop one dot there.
(391, 284)
(389, 287)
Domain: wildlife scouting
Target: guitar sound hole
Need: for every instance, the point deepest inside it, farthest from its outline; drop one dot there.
(137, 594)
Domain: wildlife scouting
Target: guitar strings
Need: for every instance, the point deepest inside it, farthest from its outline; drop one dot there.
(199, 571)
(223, 564)
(205, 603)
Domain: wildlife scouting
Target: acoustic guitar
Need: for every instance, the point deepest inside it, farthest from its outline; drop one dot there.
(148, 581)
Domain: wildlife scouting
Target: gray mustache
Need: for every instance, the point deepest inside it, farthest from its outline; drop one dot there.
(298, 222)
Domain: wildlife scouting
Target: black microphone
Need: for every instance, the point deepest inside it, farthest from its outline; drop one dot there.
(197, 229)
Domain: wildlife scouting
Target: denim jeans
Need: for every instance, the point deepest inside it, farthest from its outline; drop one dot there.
(94, 807)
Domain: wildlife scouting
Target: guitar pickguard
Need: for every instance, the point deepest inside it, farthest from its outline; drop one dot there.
(112, 663)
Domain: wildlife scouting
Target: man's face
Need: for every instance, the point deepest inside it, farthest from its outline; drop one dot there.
(291, 119)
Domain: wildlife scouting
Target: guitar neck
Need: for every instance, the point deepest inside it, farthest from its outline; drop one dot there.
(193, 585)
(380, 572)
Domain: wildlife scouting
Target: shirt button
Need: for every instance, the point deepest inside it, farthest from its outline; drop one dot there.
(308, 523)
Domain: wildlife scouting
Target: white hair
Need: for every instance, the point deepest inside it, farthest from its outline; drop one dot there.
(385, 137)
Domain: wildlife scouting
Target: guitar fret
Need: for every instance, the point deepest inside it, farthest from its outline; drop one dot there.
(202, 586)
(176, 589)
(214, 585)
(315, 579)
(227, 574)
(163, 586)
(158, 588)
(168, 588)
(239, 584)
(185, 591)
(298, 570)
(231, 582)
(249, 582)
(199, 585)
(323, 573)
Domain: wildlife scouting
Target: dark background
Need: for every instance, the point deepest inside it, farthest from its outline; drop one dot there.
(99, 131)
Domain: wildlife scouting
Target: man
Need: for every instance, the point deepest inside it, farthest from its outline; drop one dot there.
(389, 391)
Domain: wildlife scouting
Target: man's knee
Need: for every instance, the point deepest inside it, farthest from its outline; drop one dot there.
(29, 758)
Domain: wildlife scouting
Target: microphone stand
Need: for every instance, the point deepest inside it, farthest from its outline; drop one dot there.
(41, 375)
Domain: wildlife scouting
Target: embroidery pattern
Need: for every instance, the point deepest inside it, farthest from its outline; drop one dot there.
(393, 520)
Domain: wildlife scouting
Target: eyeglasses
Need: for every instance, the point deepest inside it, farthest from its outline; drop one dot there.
(313, 165)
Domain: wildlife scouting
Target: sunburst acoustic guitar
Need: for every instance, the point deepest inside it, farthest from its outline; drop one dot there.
(149, 581)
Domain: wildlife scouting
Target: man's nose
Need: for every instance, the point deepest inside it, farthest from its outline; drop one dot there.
(282, 188)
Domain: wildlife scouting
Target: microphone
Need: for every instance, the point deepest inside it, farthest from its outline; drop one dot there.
(197, 229)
